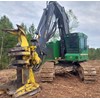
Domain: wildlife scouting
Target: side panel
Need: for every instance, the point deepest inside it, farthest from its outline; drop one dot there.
(77, 56)
(53, 49)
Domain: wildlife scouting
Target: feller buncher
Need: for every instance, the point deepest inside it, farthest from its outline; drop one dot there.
(60, 56)
(67, 54)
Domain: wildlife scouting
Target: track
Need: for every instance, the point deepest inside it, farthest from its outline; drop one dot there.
(47, 72)
(87, 72)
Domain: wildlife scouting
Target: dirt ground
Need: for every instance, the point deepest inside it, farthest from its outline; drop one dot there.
(67, 86)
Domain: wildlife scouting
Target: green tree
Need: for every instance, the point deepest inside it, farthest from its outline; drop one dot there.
(73, 20)
(7, 41)
(92, 53)
(31, 32)
(32, 29)
(97, 54)
(24, 27)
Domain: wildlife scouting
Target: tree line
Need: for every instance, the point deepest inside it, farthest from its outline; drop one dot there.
(8, 41)
(94, 54)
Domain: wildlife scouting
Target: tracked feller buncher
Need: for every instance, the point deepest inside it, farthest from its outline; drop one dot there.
(68, 53)
(25, 58)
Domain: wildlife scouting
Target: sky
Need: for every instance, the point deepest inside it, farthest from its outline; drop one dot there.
(87, 12)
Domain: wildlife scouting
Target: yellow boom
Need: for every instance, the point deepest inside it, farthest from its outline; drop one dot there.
(28, 58)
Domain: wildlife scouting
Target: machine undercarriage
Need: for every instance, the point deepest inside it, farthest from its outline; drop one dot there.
(85, 71)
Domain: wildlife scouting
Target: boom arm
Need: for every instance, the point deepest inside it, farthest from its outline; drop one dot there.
(46, 29)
